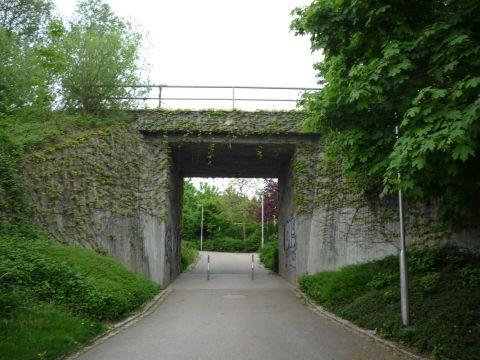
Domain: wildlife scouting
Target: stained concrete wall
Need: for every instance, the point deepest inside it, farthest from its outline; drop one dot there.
(334, 228)
(115, 191)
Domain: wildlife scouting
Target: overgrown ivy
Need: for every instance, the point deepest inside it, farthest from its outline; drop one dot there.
(230, 122)
(13, 204)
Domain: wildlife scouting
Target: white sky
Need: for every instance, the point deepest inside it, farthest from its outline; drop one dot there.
(220, 42)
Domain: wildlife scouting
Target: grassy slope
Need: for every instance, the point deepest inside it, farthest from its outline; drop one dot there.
(31, 132)
(53, 297)
(444, 297)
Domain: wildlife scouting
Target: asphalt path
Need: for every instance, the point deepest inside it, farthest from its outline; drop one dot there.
(234, 317)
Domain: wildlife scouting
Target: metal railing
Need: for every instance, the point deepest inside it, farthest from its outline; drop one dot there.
(232, 91)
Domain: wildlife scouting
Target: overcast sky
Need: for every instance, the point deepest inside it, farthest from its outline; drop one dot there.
(220, 42)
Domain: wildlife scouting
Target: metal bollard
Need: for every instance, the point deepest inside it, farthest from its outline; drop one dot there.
(208, 267)
(252, 266)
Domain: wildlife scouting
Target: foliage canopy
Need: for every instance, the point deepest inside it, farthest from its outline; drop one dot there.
(83, 64)
(230, 222)
(413, 64)
(101, 55)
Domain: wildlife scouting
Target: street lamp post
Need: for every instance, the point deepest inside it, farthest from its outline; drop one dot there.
(403, 257)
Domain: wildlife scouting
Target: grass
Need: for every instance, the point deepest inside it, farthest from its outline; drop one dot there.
(31, 131)
(444, 296)
(44, 331)
(55, 297)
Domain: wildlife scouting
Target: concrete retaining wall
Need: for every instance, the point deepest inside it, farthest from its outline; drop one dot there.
(109, 190)
(335, 228)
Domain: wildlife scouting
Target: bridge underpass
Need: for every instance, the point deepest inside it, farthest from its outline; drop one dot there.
(224, 144)
(125, 197)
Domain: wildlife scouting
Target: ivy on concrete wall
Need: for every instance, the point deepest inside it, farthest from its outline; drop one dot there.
(90, 190)
(232, 122)
(320, 183)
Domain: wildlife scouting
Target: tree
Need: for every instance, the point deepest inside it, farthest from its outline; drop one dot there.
(270, 202)
(225, 214)
(27, 19)
(102, 56)
(413, 64)
(23, 29)
(215, 222)
(237, 204)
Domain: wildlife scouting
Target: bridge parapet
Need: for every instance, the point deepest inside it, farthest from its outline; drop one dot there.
(221, 122)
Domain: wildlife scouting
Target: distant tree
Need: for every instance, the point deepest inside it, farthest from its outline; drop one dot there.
(270, 202)
(215, 223)
(408, 63)
(225, 213)
(102, 54)
(14, 82)
(238, 205)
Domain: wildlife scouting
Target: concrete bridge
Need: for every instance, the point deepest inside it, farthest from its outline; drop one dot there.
(119, 190)
(258, 144)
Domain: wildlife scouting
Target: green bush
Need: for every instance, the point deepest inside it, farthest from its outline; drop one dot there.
(430, 283)
(228, 244)
(332, 288)
(253, 242)
(444, 295)
(269, 254)
(425, 260)
(44, 331)
(189, 253)
(470, 276)
(382, 279)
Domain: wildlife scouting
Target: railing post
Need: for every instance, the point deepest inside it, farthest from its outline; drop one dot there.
(252, 266)
(160, 96)
(208, 267)
(233, 98)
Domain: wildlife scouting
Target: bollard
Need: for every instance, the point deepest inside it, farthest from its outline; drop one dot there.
(208, 267)
(252, 266)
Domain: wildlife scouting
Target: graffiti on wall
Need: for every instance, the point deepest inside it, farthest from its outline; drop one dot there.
(172, 251)
(290, 243)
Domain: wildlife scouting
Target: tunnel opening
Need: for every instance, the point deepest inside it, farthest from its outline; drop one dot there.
(232, 216)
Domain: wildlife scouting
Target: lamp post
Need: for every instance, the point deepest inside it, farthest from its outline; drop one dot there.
(201, 230)
(403, 257)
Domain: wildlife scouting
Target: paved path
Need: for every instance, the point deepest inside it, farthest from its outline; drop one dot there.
(232, 317)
